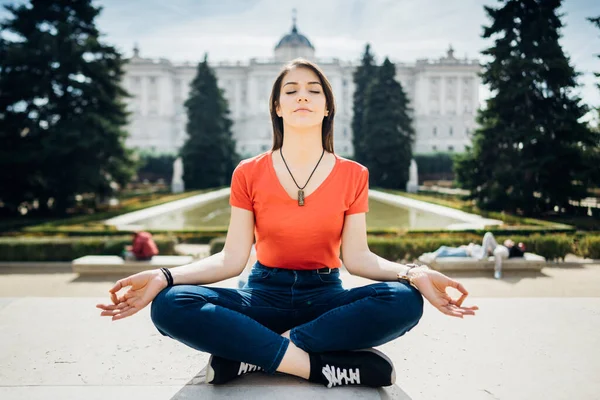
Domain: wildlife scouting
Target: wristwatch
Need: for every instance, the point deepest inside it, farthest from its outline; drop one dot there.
(405, 277)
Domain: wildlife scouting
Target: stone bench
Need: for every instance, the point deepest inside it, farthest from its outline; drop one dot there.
(101, 265)
(530, 262)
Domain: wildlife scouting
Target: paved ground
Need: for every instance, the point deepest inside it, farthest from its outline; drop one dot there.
(535, 337)
(575, 281)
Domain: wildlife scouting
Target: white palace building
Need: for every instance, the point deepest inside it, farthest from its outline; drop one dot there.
(444, 95)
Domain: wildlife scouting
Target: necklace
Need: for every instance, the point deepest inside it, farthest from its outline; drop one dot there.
(301, 189)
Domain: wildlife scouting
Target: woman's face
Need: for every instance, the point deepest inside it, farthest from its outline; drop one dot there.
(302, 101)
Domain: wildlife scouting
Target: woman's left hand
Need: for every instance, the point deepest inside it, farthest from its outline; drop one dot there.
(432, 285)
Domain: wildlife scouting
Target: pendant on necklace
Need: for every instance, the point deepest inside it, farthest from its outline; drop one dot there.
(300, 197)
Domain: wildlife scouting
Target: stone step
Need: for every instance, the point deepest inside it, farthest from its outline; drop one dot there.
(109, 265)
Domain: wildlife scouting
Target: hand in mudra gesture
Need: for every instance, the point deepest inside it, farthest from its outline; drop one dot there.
(145, 286)
(432, 285)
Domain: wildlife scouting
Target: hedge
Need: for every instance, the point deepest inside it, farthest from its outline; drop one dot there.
(391, 247)
(589, 247)
(197, 236)
(67, 249)
(551, 247)
(435, 166)
(206, 234)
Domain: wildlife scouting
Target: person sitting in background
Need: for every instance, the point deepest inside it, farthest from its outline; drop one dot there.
(143, 247)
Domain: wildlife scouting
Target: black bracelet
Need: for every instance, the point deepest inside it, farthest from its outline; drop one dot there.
(168, 275)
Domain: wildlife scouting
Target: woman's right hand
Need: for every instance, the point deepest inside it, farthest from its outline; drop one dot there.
(145, 286)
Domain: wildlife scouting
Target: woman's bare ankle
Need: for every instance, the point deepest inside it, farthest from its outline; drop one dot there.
(295, 360)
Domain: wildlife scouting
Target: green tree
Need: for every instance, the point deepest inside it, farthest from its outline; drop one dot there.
(527, 155)
(388, 133)
(596, 21)
(435, 166)
(208, 154)
(61, 107)
(592, 155)
(363, 76)
(154, 166)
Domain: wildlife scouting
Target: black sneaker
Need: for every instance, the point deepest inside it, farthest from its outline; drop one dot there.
(221, 370)
(368, 367)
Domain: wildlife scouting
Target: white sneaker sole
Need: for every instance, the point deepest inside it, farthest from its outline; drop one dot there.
(210, 372)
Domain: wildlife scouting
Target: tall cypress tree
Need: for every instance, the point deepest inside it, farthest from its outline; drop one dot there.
(61, 107)
(593, 154)
(363, 76)
(388, 132)
(208, 154)
(596, 21)
(527, 155)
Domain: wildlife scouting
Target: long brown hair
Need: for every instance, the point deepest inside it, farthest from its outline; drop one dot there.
(327, 129)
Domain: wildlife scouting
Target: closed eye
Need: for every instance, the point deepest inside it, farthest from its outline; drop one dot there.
(312, 91)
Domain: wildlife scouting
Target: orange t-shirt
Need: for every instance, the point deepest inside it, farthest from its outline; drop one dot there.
(292, 236)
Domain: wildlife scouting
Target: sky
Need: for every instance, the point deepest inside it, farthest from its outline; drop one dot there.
(403, 30)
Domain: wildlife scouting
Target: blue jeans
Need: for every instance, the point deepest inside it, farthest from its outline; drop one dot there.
(245, 324)
(445, 251)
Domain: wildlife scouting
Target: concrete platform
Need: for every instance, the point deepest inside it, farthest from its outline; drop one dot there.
(103, 265)
(530, 262)
(515, 348)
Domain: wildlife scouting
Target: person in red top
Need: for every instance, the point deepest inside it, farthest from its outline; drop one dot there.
(302, 203)
(143, 247)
